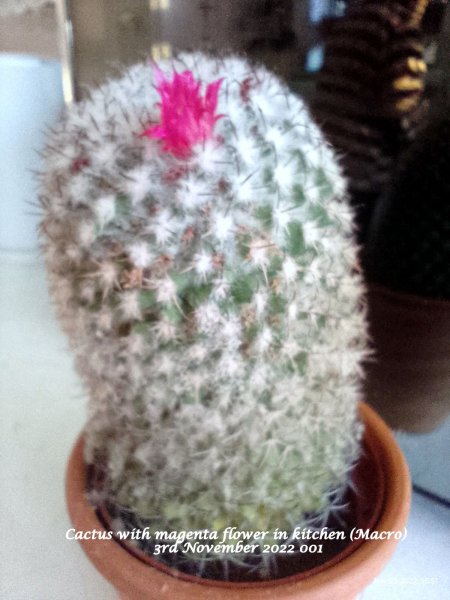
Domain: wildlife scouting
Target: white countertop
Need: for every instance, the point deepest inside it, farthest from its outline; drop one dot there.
(43, 409)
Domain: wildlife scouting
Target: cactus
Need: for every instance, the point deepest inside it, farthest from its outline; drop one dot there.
(408, 248)
(203, 265)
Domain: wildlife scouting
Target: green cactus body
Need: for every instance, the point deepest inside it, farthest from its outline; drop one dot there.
(211, 300)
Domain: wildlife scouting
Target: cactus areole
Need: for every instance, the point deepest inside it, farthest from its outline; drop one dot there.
(200, 251)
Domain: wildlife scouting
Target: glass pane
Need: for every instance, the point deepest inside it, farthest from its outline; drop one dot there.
(280, 33)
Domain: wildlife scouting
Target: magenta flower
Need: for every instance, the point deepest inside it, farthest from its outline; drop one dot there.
(186, 116)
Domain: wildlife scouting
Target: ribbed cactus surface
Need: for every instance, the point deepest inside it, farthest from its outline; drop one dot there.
(409, 244)
(200, 251)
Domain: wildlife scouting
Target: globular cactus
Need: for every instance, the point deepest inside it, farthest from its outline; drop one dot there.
(201, 258)
(408, 249)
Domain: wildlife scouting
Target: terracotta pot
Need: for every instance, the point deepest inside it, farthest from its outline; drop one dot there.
(408, 380)
(342, 578)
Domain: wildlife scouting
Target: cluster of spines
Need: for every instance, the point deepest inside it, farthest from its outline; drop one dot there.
(199, 293)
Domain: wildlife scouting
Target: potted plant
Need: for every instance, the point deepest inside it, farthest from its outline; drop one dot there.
(200, 252)
(407, 260)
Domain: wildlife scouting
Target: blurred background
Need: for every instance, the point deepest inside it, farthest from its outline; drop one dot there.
(284, 34)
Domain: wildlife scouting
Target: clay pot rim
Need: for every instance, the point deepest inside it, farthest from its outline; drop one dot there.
(412, 300)
(352, 573)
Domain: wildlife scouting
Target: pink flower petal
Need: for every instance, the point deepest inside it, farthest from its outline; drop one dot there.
(187, 117)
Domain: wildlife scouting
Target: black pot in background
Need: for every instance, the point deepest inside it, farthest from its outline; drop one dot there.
(406, 260)
(408, 378)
